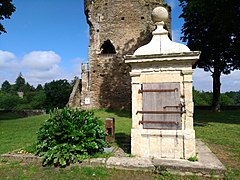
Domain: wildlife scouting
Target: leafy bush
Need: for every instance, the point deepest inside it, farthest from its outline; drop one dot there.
(9, 101)
(69, 136)
(33, 100)
(226, 100)
(57, 93)
(202, 98)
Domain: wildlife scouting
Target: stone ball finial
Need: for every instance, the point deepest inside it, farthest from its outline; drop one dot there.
(159, 14)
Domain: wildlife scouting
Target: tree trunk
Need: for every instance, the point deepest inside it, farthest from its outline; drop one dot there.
(216, 90)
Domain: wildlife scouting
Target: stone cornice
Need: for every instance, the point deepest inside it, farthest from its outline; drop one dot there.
(157, 58)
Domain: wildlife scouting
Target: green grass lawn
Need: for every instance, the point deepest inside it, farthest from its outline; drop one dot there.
(222, 135)
(220, 131)
(19, 133)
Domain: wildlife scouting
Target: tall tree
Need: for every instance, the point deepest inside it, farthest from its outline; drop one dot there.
(6, 10)
(213, 28)
(39, 87)
(20, 83)
(28, 88)
(57, 93)
(6, 86)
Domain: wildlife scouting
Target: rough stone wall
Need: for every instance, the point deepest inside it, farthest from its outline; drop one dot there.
(117, 28)
(75, 97)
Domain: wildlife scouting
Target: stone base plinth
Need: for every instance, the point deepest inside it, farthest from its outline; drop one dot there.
(173, 144)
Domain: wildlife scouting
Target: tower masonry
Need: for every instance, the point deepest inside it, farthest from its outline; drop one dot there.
(117, 28)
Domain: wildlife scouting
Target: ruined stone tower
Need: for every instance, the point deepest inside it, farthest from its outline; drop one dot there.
(117, 28)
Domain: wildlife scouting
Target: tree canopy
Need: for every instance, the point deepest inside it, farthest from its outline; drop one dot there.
(20, 83)
(6, 10)
(213, 28)
(6, 86)
(57, 93)
(53, 94)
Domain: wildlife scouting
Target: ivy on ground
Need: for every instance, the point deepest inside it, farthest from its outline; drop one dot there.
(70, 136)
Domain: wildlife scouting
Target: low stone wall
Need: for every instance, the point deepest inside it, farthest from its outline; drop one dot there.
(222, 107)
(25, 113)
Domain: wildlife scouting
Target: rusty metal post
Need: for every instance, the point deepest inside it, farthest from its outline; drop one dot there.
(110, 129)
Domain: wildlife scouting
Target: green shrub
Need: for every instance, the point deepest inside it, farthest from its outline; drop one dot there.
(70, 136)
(9, 101)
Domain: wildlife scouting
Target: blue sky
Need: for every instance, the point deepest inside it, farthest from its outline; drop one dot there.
(48, 40)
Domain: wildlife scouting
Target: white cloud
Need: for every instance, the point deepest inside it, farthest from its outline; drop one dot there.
(41, 60)
(231, 82)
(203, 81)
(38, 67)
(41, 67)
(7, 60)
(9, 66)
(51, 73)
(35, 77)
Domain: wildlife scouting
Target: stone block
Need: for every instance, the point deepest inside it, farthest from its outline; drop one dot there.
(161, 77)
(189, 123)
(181, 90)
(189, 144)
(163, 143)
(168, 147)
(187, 91)
(97, 162)
(135, 142)
(189, 109)
(130, 163)
(187, 78)
(135, 80)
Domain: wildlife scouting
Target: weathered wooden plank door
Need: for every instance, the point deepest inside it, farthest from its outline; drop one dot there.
(161, 106)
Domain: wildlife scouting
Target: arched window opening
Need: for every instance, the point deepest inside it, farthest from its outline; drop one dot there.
(107, 48)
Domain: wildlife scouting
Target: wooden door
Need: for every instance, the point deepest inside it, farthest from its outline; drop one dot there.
(161, 106)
